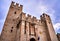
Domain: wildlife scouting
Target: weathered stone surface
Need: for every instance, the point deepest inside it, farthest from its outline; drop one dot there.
(19, 27)
(58, 36)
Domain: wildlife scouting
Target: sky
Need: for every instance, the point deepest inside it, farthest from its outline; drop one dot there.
(34, 8)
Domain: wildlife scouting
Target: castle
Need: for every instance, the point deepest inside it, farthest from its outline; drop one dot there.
(19, 27)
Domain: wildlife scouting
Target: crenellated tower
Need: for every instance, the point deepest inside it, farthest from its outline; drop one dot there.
(50, 28)
(21, 27)
(10, 26)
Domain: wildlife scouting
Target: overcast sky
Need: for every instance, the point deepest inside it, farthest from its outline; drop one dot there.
(34, 8)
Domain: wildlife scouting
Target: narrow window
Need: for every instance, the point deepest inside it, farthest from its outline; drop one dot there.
(18, 25)
(11, 30)
(38, 38)
(25, 32)
(15, 12)
(29, 28)
(25, 28)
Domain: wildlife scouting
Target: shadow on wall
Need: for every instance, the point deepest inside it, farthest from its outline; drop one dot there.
(0, 37)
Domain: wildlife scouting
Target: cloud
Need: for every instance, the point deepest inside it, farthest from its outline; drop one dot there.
(56, 26)
(36, 9)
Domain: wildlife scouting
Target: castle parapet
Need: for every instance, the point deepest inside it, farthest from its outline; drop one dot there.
(34, 20)
(44, 16)
(28, 18)
(16, 6)
(21, 7)
(12, 4)
(23, 16)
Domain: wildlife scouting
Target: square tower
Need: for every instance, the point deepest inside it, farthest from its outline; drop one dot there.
(19, 27)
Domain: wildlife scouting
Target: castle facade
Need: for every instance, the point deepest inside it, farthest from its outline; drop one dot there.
(19, 27)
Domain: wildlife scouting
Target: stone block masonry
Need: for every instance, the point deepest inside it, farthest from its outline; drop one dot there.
(19, 27)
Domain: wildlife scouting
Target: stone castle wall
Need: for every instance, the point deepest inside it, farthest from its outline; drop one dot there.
(19, 27)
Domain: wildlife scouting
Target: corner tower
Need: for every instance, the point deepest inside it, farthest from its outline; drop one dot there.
(50, 28)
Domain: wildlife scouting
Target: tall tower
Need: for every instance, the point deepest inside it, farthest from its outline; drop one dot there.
(19, 27)
(49, 28)
(10, 25)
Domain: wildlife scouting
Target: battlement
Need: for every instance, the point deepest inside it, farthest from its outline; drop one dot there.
(23, 16)
(44, 15)
(34, 19)
(12, 3)
(29, 18)
(16, 5)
